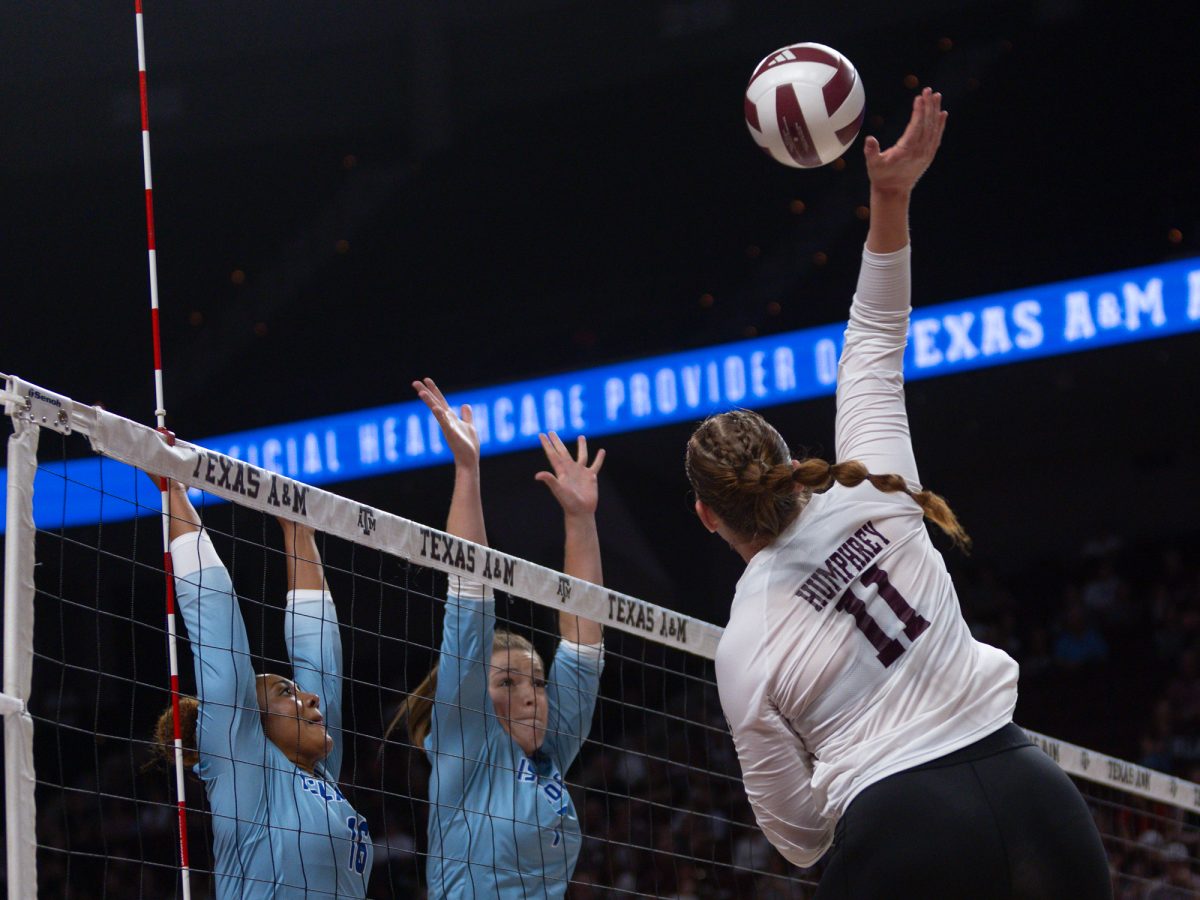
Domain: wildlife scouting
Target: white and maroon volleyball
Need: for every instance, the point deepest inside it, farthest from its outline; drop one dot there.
(804, 105)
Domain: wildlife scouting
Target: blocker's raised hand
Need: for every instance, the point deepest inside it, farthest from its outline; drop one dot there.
(898, 168)
(459, 430)
(571, 481)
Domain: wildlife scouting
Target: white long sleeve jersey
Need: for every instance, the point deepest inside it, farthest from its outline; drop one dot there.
(846, 658)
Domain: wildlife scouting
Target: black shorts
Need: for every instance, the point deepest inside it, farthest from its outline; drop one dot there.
(992, 821)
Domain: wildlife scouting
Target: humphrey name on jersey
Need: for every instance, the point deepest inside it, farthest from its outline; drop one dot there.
(234, 476)
(842, 566)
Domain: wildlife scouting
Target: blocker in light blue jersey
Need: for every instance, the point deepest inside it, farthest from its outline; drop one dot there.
(278, 832)
(502, 824)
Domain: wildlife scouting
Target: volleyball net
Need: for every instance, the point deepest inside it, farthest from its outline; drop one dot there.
(656, 786)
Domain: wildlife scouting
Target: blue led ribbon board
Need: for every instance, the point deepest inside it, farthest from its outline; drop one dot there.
(1066, 317)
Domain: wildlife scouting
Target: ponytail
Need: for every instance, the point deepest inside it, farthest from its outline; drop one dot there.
(416, 712)
(818, 475)
(741, 468)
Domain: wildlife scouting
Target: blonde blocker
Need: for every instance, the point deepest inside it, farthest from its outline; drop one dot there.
(417, 709)
(742, 469)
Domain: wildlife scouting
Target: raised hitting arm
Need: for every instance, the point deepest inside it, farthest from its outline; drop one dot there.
(872, 422)
(895, 171)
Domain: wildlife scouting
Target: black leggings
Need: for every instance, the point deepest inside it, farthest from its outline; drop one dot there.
(997, 819)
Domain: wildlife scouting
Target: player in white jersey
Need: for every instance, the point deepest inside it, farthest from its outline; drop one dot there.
(868, 722)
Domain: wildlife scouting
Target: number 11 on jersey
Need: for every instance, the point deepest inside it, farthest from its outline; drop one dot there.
(887, 649)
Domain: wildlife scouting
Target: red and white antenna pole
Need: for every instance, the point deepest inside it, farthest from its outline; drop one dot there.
(160, 414)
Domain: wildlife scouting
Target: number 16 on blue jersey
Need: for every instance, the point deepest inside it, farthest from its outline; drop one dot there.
(360, 839)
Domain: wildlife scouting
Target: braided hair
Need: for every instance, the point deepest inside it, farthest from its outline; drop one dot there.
(741, 468)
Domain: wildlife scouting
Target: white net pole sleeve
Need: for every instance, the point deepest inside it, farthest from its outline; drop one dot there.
(160, 413)
(20, 814)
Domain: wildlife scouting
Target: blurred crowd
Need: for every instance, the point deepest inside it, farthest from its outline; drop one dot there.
(1109, 646)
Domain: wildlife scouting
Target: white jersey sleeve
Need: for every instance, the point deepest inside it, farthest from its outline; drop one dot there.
(846, 658)
(776, 769)
(872, 423)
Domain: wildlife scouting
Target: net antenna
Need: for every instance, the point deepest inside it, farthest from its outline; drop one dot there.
(160, 415)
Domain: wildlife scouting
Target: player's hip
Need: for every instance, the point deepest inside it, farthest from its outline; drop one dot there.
(995, 819)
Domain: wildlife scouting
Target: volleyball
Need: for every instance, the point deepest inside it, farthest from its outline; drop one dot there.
(804, 105)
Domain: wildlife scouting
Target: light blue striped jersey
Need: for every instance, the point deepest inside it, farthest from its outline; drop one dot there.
(278, 832)
(502, 824)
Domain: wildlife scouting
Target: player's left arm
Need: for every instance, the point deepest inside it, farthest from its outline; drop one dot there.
(310, 630)
(574, 679)
(778, 779)
(776, 770)
(571, 692)
(872, 422)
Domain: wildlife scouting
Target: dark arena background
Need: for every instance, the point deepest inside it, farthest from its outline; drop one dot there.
(350, 196)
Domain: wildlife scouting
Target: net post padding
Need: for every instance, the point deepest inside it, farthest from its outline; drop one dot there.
(20, 778)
